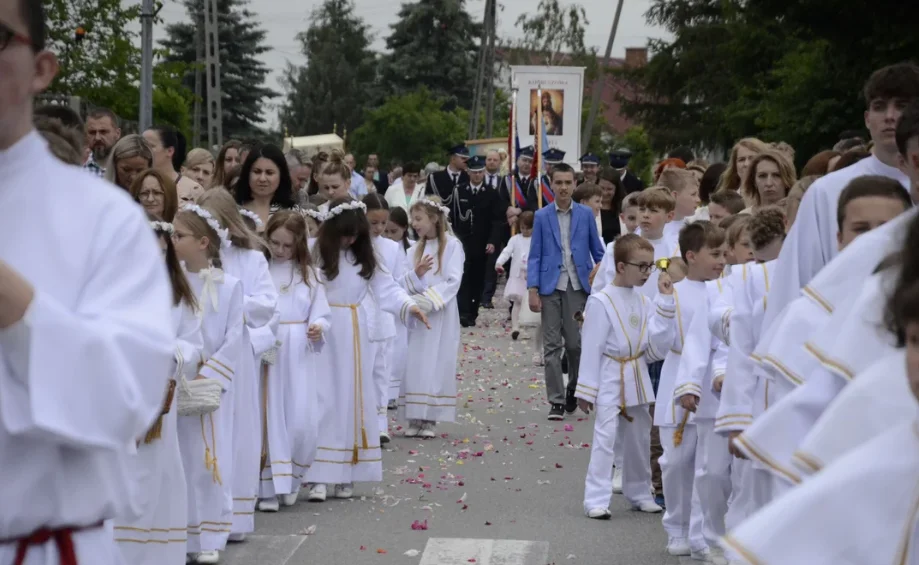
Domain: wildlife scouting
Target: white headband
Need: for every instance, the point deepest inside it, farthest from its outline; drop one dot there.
(252, 216)
(352, 205)
(428, 202)
(164, 227)
(314, 214)
(222, 233)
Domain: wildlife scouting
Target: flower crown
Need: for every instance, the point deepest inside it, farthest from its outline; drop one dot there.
(314, 214)
(164, 227)
(437, 206)
(222, 233)
(252, 216)
(351, 205)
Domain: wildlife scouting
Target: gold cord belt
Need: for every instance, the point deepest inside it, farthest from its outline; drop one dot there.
(358, 383)
(623, 361)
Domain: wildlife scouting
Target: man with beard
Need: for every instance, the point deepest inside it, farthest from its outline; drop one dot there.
(102, 132)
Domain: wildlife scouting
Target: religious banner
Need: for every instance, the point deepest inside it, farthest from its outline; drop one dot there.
(558, 92)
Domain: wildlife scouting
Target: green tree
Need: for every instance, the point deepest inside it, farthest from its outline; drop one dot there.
(434, 43)
(637, 141)
(101, 65)
(414, 126)
(553, 36)
(767, 68)
(242, 73)
(333, 87)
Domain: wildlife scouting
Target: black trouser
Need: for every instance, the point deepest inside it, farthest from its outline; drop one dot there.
(469, 297)
(491, 277)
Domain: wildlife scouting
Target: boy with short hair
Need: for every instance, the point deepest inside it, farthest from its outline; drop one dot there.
(656, 209)
(866, 203)
(684, 187)
(629, 217)
(590, 195)
(702, 247)
(739, 251)
(621, 329)
(725, 203)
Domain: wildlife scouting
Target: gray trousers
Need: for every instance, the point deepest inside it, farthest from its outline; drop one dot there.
(560, 329)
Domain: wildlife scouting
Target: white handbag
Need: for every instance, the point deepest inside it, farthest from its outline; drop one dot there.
(528, 317)
(197, 397)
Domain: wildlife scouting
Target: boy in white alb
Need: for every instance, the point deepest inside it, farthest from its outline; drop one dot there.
(621, 329)
(702, 247)
(745, 388)
(866, 203)
(875, 522)
(684, 187)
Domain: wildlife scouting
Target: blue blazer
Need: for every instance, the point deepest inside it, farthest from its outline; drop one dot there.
(545, 265)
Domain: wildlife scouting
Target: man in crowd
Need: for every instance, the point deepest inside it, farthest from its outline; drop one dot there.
(300, 169)
(443, 183)
(590, 168)
(358, 186)
(564, 247)
(619, 160)
(494, 181)
(86, 343)
(102, 132)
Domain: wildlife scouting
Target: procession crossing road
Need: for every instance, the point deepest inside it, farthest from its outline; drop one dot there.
(501, 486)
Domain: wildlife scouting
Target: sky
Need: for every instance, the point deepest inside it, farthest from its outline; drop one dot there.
(283, 19)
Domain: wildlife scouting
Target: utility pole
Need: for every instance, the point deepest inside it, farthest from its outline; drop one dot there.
(490, 73)
(146, 65)
(600, 84)
(477, 98)
(212, 75)
(199, 83)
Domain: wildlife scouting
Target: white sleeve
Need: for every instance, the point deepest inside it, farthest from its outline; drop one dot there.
(594, 335)
(694, 361)
(320, 312)
(607, 271)
(261, 306)
(440, 294)
(93, 375)
(189, 343)
(508, 250)
(661, 327)
(735, 412)
(221, 366)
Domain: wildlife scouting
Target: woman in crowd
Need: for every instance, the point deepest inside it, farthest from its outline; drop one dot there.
(264, 185)
(610, 182)
(771, 177)
(129, 157)
(199, 166)
(739, 165)
(227, 160)
(156, 194)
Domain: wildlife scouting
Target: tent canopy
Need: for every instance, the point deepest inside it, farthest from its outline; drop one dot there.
(313, 144)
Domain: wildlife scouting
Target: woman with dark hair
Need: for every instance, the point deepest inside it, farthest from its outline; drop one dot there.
(319, 159)
(610, 181)
(708, 186)
(168, 147)
(264, 184)
(348, 426)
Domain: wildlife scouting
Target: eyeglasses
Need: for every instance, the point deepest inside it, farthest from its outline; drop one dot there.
(151, 195)
(7, 36)
(643, 268)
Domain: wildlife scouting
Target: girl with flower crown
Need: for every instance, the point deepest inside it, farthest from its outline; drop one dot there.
(428, 392)
(206, 441)
(291, 417)
(158, 535)
(243, 258)
(348, 447)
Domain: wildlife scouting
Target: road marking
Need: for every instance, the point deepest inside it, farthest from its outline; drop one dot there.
(459, 551)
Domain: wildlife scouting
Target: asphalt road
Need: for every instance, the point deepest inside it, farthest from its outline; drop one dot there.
(501, 486)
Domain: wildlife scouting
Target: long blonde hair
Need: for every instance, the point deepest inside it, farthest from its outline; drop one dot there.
(786, 170)
(221, 204)
(730, 178)
(440, 223)
(131, 145)
(200, 228)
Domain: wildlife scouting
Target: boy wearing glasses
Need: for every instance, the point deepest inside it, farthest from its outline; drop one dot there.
(622, 328)
(702, 246)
